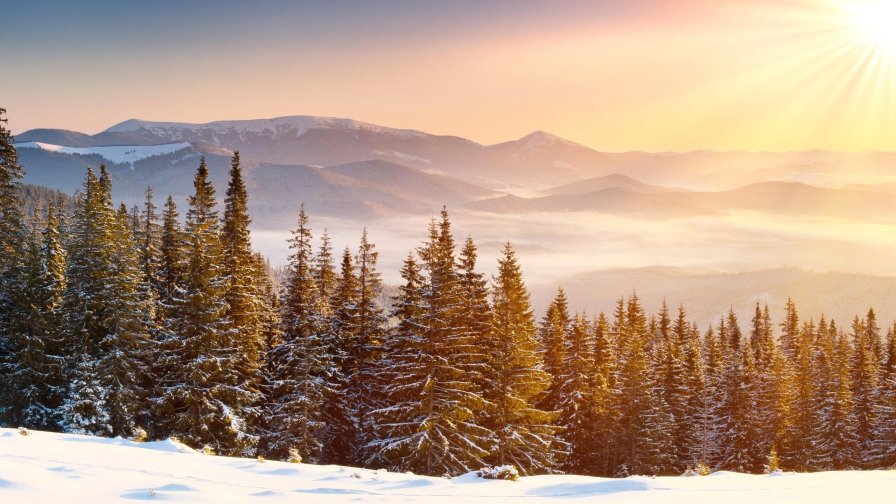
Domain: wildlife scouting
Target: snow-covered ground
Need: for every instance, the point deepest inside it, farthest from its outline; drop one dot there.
(113, 153)
(53, 468)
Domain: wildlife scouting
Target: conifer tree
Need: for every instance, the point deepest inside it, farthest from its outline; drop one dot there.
(865, 376)
(171, 260)
(578, 413)
(633, 394)
(300, 364)
(524, 435)
(885, 431)
(33, 369)
(430, 423)
(106, 318)
(603, 382)
(244, 297)
(371, 326)
(553, 333)
(475, 320)
(342, 338)
(12, 239)
(203, 394)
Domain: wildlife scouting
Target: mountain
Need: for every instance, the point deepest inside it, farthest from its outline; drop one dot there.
(612, 181)
(784, 198)
(361, 190)
(536, 160)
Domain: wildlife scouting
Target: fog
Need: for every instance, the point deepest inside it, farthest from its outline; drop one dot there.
(553, 246)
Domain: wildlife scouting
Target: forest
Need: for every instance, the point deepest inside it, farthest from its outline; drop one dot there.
(158, 322)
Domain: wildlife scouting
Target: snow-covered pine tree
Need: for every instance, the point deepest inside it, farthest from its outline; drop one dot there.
(865, 380)
(12, 239)
(577, 406)
(203, 393)
(475, 319)
(429, 424)
(603, 380)
(885, 431)
(171, 262)
(633, 393)
(553, 334)
(245, 300)
(524, 434)
(803, 418)
(106, 332)
(367, 395)
(300, 364)
(736, 402)
(126, 352)
(34, 386)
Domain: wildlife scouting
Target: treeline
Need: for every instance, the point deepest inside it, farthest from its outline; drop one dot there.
(141, 324)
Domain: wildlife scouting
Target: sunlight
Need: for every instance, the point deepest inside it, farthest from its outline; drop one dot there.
(874, 21)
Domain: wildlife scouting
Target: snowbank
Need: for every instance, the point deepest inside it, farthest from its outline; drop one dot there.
(47, 467)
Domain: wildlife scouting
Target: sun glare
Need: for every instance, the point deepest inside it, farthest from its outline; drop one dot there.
(875, 22)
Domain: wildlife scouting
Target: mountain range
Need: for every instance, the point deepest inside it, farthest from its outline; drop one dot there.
(351, 169)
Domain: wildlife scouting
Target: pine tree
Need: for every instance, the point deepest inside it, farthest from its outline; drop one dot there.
(203, 394)
(12, 242)
(12, 227)
(552, 334)
(633, 394)
(524, 434)
(34, 384)
(430, 423)
(578, 414)
(475, 319)
(171, 262)
(244, 298)
(885, 430)
(106, 322)
(300, 364)
(865, 376)
(603, 376)
(371, 326)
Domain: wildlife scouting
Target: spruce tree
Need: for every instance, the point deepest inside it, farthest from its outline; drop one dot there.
(430, 423)
(524, 434)
(106, 318)
(552, 335)
(12, 241)
(366, 395)
(203, 394)
(578, 413)
(33, 370)
(244, 297)
(300, 363)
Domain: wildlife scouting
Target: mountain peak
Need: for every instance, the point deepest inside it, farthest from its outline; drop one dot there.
(540, 137)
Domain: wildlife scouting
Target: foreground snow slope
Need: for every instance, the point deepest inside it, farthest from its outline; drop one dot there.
(52, 468)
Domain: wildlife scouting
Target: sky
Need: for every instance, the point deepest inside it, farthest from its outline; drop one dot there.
(616, 75)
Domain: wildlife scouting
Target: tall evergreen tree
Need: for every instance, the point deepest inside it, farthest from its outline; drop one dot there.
(12, 239)
(430, 424)
(244, 297)
(552, 335)
(578, 413)
(300, 363)
(203, 394)
(33, 370)
(106, 322)
(524, 434)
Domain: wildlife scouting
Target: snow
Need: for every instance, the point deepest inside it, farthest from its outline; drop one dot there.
(299, 124)
(47, 467)
(113, 153)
